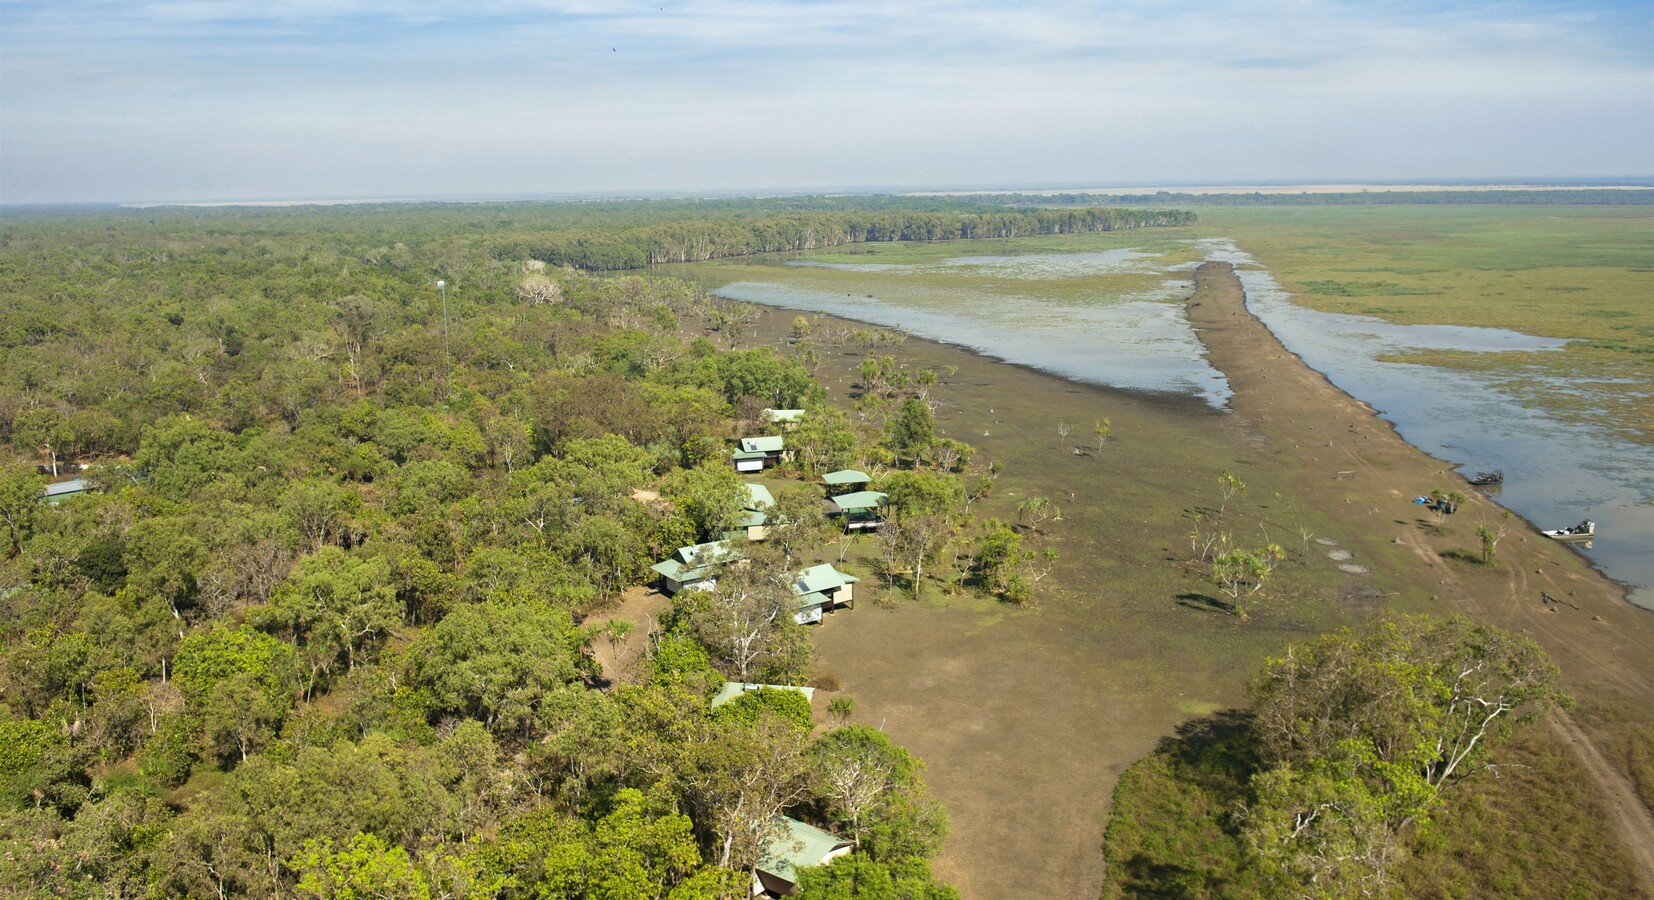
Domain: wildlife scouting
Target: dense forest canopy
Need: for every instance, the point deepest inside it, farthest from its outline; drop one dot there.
(340, 611)
(332, 617)
(1377, 196)
(613, 235)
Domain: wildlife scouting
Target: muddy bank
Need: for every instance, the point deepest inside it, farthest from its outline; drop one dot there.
(1026, 718)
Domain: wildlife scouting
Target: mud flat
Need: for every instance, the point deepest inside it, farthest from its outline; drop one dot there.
(1025, 718)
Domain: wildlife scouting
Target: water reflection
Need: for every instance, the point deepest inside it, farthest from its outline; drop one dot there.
(1556, 473)
(1128, 342)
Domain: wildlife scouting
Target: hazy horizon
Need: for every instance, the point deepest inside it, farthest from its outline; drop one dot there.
(181, 101)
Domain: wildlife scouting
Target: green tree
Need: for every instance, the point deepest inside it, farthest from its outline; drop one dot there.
(20, 493)
(1035, 510)
(750, 706)
(999, 552)
(497, 663)
(746, 623)
(1360, 732)
(1229, 487)
(334, 606)
(912, 430)
(240, 716)
(207, 659)
(711, 496)
(368, 869)
(1241, 573)
(859, 877)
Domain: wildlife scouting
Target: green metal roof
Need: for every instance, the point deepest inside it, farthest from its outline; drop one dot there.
(846, 476)
(758, 496)
(822, 578)
(771, 444)
(861, 500)
(672, 569)
(783, 415)
(743, 455)
(696, 562)
(796, 845)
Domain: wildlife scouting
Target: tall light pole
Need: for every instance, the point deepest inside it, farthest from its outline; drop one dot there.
(447, 365)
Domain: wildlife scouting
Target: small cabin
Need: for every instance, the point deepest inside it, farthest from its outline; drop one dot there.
(755, 454)
(822, 589)
(694, 567)
(754, 521)
(64, 490)
(860, 510)
(792, 845)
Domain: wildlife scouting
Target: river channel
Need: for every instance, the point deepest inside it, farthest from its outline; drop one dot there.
(1557, 473)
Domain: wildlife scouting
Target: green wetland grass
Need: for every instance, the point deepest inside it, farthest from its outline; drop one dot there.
(1584, 273)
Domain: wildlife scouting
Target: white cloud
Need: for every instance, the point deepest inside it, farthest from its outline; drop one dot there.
(361, 97)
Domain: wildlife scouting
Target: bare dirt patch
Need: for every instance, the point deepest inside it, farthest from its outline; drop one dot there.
(1025, 718)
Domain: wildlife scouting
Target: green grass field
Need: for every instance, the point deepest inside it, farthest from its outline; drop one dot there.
(1585, 273)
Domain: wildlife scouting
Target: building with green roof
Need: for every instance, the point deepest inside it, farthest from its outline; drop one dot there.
(755, 454)
(792, 845)
(822, 589)
(694, 566)
(861, 510)
(845, 480)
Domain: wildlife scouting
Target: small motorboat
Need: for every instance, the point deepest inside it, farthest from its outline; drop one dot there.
(1584, 531)
(1486, 479)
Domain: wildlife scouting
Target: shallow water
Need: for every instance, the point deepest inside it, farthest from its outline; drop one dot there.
(1556, 473)
(1138, 344)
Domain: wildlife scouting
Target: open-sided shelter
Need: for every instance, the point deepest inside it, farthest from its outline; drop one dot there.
(845, 481)
(861, 510)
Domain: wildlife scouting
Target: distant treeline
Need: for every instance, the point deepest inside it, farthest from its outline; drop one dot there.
(696, 241)
(1559, 197)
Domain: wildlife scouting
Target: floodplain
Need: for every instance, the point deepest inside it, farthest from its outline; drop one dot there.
(1027, 718)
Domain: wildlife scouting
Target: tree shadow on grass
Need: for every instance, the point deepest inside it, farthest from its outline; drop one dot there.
(1178, 832)
(1204, 603)
(1221, 746)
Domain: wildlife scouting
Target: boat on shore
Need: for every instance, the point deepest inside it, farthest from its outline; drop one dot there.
(1486, 479)
(1584, 531)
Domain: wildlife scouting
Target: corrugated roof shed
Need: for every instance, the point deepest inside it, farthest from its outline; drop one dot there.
(820, 578)
(72, 486)
(769, 444)
(694, 562)
(796, 845)
(861, 500)
(779, 416)
(758, 496)
(846, 476)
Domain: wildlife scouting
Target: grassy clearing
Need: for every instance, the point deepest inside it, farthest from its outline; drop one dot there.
(1582, 273)
(1534, 830)
(1026, 717)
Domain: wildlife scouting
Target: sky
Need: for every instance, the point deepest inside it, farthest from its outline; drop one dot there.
(201, 100)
